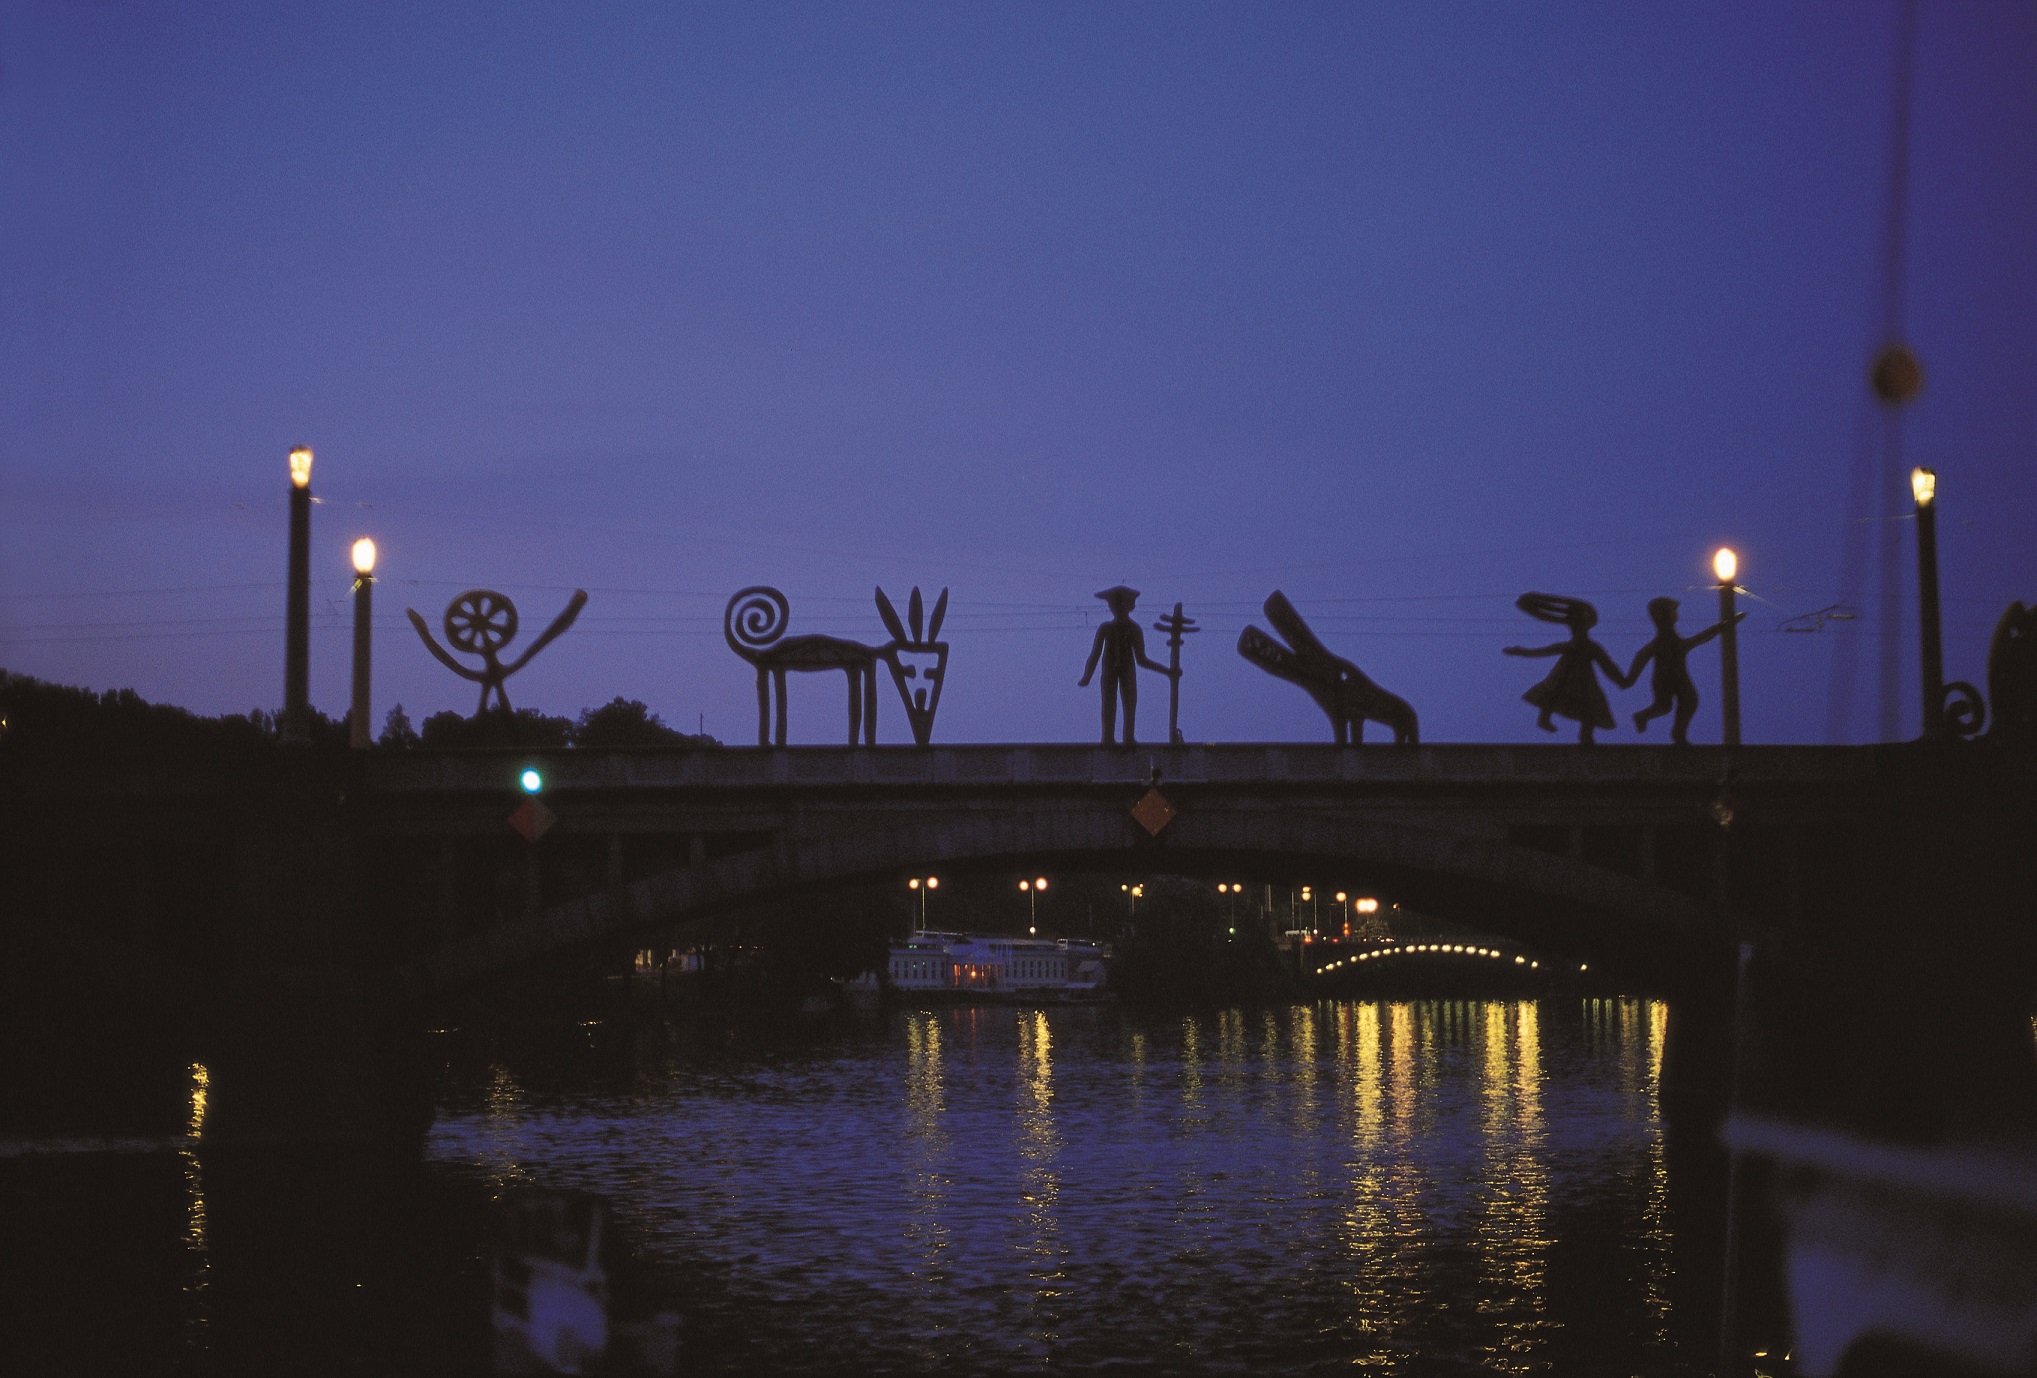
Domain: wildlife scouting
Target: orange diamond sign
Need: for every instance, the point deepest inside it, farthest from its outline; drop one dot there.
(532, 819)
(1153, 812)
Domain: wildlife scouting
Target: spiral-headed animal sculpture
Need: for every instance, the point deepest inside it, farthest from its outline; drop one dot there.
(754, 625)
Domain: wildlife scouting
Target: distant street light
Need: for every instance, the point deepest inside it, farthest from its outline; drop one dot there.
(1924, 488)
(294, 726)
(1032, 889)
(919, 885)
(1726, 565)
(364, 605)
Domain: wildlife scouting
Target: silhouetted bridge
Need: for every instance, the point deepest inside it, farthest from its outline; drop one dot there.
(1904, 867)
(1614, 851)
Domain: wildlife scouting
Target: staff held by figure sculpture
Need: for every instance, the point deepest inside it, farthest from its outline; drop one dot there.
(1121, 648)
(1176, 626)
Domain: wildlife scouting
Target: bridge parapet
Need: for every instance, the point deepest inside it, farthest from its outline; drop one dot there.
(990, 766)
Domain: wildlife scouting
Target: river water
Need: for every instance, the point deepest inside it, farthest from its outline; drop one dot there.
(1392, 1187)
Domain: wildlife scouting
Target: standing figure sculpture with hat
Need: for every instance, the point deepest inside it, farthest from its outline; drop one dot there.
(1121, 646)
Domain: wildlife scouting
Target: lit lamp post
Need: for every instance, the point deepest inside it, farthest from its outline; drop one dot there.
(1032, 889)
(297, 609)
(364, 606)
(1924, 488)
(1726, 565)
(919, 885)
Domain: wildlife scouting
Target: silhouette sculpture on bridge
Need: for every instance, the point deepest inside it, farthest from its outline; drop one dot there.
(921, 657)
(2011, 677)
(754, 624)
(1571, 688)
(1339, 688)
(1671, 681)
(1176, 626)
(481, 622)
(1121, 646)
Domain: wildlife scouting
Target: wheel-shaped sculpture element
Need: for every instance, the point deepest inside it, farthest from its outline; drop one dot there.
(480, 621)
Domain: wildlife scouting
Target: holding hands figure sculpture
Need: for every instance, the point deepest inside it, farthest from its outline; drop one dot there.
(1571, 687)
(1671, 682)
(1121, 646)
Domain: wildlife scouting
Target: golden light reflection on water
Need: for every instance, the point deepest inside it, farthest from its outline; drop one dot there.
(198, 1321)
(1384, 1233)
(1302, 1043)
(1513, 1224)
(1655, 1208)
(925, 1100)
(1039, 1150)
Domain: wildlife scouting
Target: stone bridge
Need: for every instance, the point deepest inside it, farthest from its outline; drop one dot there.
(312, 890)
(1615, 853)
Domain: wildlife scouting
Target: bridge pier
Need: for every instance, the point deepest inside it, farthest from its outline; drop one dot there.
(305, 1044)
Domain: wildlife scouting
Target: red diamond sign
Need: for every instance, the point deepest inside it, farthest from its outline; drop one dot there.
(1153, 812)
(532, 819)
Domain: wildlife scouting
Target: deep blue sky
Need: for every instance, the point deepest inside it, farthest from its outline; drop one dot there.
(1403, 309)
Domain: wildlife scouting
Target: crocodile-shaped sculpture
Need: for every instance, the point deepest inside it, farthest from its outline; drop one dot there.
(1338, 687)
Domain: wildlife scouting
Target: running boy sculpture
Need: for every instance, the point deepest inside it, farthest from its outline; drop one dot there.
(1671, 680)
(1571, 688)
(1121, 646)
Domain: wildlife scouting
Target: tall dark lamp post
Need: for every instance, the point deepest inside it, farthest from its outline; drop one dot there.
(297, 612)
(1726, 565)
(1924, 488)
(364, 608)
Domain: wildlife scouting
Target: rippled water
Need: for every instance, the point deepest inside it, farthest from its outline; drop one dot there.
(1435, 1186)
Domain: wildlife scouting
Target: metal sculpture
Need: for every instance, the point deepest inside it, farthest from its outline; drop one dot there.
(481, 622)
(1674, 690)
(1339, 688)
(754, 624)
(1121, 646)
(1176, 626)
(1571, 688)
(921, 658)
(2012, 677)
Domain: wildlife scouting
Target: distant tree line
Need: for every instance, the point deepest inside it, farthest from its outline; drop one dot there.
(42, 719)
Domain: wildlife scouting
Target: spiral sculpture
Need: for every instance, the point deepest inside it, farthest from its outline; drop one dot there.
(755, 623)
(755, 618)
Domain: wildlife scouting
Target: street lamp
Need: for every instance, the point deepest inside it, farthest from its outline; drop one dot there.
(1032, 889)
(920, 885)
(1726, 565)
(1924, 488)
(364, 603)
(297, 604)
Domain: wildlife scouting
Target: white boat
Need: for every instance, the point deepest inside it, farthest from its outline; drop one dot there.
(993, 966)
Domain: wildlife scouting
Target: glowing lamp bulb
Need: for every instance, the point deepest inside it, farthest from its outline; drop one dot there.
(531, 781)
(1923, 486)
(1040, 884)
(300, 467)
(933, 882)
(1725, 564)
(1340, 897)
(1368, 906)
(364, 556)
(1025, 885)
(912, 884)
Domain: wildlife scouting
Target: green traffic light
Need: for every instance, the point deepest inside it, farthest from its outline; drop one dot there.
(532, 782)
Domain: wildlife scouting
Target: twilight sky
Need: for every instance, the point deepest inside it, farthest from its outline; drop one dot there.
(1402, 309)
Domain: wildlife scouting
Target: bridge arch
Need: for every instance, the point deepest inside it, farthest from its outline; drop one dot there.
(1661, 935)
